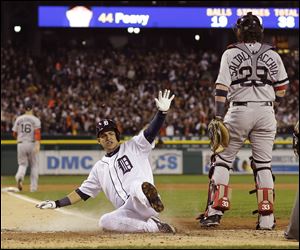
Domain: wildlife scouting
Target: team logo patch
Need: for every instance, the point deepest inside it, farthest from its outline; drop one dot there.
(125, 164)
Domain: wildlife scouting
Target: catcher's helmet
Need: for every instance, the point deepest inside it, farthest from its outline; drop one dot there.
(250, 28)
(107, 125)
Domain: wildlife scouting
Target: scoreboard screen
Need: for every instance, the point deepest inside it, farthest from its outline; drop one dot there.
(162, 17)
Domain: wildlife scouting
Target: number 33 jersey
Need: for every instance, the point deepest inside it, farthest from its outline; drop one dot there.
(251, 71)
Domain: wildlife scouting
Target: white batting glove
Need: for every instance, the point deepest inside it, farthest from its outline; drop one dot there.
(163, 102)
(46, 205)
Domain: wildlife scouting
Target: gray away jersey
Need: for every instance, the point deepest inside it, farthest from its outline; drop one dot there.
(25, 126)
(251, 71)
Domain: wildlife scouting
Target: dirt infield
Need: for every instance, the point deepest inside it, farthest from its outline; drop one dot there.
(23, 226)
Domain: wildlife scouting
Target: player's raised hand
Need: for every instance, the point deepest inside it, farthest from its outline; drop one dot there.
(163, 102)
(46, 205)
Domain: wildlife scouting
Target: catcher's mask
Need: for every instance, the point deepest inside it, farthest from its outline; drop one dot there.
(249, 27)
(107, 125)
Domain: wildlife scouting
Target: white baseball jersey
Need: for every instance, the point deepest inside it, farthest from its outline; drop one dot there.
(116, 175)
(251, 71)
(25, 126)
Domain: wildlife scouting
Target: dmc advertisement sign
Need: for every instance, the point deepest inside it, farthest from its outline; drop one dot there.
(283, 162)
(69, 162)
(166, 161)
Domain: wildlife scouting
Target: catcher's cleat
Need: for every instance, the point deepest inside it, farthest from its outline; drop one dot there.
(265, 224)
(210, 221)
(20, 185)
(163, 227)
(153, 197)
(258, 227)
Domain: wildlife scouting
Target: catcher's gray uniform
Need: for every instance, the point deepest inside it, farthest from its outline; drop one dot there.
(252, 72)
(26, 127)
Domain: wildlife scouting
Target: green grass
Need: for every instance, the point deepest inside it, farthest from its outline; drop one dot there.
(77, 179)
(178, 203)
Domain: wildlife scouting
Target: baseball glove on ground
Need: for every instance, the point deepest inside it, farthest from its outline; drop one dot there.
(218, 135)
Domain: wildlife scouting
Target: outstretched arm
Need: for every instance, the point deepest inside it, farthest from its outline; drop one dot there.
(70, 199)
(163, 104)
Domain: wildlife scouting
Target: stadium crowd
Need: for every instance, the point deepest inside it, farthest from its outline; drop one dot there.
(71, 90)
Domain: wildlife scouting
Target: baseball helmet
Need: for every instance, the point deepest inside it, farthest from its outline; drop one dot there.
(107, 125)
(250, 28)
(28, 105)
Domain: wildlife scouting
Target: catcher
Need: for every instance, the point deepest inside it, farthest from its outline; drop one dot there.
(251, 77)
(292, 231)
(125, 176)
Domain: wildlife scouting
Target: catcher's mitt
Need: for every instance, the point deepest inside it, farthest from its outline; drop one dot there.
(218, 135)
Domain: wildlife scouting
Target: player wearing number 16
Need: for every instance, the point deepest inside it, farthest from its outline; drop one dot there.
(27, 131)
(251, 78)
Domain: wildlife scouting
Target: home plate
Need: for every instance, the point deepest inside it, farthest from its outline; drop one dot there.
(10, 189)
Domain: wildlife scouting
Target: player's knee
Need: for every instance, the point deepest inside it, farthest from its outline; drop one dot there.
(262, 171)
(265, 179)
(219, 170)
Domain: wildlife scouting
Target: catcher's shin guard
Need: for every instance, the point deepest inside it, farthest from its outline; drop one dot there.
(265, 201)
(265, 196)
(219, 195)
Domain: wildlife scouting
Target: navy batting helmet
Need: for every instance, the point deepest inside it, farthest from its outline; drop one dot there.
(107, 125)
(250, 28)
(28, 105)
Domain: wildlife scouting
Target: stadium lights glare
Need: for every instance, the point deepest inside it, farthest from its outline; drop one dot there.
(17, 28)
(136, 30)
(130, 29)
(197, 37)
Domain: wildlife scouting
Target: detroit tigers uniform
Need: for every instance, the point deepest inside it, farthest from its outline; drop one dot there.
(25, 126)
(120, 177)
(251, 71)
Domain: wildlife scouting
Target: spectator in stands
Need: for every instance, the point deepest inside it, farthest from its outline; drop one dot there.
(70, 96)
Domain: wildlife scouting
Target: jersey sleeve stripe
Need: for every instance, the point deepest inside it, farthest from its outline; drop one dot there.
(37, 134)
(281, 87)
(282, 82)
